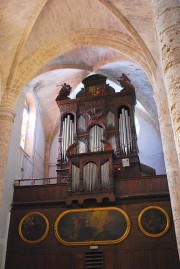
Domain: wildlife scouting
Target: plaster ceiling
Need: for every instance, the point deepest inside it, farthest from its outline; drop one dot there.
(52, 42)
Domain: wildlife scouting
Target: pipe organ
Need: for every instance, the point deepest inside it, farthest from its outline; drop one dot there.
(99, 122)
(106, 210)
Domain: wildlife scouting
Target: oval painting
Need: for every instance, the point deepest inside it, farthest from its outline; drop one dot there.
(92, 226)
(153, 221)
(33, 227)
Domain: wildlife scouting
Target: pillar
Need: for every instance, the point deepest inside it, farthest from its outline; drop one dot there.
(6, 120)
(167, 22)
(7, 115)
(170, 155)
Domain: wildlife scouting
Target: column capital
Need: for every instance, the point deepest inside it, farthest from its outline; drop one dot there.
(7, 113)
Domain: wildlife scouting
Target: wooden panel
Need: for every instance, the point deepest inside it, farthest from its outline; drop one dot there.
(144, 259)
(109, 259)
(40, 193)
(124, 260)
(143, 185)
(167, 259)
(136, 186)
(137, 251)
(23, 262)
(78, 260)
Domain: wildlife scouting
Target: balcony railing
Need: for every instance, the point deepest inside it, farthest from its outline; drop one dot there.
(51, 190)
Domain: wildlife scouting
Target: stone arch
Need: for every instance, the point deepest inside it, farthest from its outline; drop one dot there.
(130, 29)
(85, 37)
(23, 40)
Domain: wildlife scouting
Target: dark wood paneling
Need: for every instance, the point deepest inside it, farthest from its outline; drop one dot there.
(42, 193)
(78, 260)
(141, 186)
(137, 251)
(123, 188)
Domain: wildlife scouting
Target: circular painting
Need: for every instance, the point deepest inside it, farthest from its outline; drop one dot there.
(33, 227)
(92, 226)
(153, 221)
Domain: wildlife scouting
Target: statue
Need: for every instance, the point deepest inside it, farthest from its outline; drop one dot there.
(124, 78)
(64, 92)
(126, 83)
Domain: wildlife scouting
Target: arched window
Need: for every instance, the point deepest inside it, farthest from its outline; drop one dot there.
(24, 126)
(28, 125)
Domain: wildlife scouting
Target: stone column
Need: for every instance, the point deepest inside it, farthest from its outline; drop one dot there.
(170, 156)
(7, 115)
(6, 119)
(167, 21)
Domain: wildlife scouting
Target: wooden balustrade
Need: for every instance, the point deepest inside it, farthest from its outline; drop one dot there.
(49, 190)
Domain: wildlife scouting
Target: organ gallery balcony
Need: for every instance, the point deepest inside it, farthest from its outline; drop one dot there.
(51, 191)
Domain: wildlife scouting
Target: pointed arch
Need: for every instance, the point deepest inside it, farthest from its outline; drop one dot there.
(84, 37)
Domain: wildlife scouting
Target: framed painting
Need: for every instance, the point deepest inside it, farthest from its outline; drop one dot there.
(91, 226)
(33, 227)
(153, 221)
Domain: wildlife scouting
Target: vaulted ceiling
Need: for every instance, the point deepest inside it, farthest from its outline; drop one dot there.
(45, 43)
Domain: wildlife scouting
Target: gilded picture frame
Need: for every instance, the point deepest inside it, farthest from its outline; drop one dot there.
(92, 226)
(153, 221)
(33, 227)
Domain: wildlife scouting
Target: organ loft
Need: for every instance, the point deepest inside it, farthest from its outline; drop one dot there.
(105, 210)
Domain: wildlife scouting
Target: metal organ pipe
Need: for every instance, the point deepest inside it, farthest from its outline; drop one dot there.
(90, 176)
(120, 133)
(105, 175)
(81, 123)
(67, 135)
(62, 141)
(124, 131)
(75, 177)
(95, 137)
(81, 147)
(127, 130)
(130, 135)
(125, 136)
(110, 119)
(67, 131)
(112, 141)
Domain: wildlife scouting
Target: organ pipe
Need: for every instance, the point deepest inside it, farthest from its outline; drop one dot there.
(130, 135)
(81, 147)
(67, 135)
(127, 130)
(112, 141)
(125, 136)
(75, 177)
(90, 176)
(62, 146)
(110, 119)
(95, 137)
(81, 124)
(105, 175)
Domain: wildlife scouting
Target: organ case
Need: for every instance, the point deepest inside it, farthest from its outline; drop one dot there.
(97, 139)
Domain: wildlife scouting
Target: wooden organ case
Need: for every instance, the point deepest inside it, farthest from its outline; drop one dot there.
(106, 210)
(97, 140)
